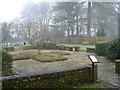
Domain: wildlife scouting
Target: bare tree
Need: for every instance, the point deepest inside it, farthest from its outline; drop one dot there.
(30, 31)
(5, 29)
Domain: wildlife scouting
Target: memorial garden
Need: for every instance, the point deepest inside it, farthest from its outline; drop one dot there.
(57, 45)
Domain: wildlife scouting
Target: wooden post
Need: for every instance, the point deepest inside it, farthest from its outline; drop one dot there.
(94, 72)
(117, 66)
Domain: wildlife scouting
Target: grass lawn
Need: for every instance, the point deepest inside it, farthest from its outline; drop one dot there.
(94, 85)
(82, 47)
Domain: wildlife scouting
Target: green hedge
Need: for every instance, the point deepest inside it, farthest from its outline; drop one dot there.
(7, 60)
(28, 47)
(50, 45)
(60, 47)
(55, 79)
(40, 45)
(46, 45)
(109, 49)
(101, 48)
(113, 50)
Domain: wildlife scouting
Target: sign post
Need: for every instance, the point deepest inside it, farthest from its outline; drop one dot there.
(93, 60)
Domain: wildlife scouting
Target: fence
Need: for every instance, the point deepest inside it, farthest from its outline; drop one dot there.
(53, 79)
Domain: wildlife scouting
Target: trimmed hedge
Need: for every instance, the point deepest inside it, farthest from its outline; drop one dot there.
(7, 60)
(54, 79)
(101, 48)
(28, 47)
(113, 50)
(50, 58)
(61, 47)
(50, 45)
(46, 45)
(40, 45)
(8, 48)
(109, 49)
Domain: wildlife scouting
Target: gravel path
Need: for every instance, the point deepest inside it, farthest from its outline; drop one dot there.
(76, 59)
(106, 72)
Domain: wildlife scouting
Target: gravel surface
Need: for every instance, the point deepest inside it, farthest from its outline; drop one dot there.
(106, 68)
(106, 71)
(76, 59)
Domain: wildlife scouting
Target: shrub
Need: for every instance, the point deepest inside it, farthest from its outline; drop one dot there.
(61, 53)
(32, 54)
(113, 50)
(101, 48)
(1, 50)
(27, 47)
(26, 55)
(46, 45)
(60, 47)
(40, 45)
(50, 45)
(50, 58)
(8, 48)
(6, 63)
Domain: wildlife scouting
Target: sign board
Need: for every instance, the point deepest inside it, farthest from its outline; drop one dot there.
(93, 59)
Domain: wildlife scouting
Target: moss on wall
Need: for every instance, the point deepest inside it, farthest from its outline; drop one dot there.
(59, 79)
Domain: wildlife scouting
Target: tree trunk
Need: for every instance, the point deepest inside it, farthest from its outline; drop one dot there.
(89, 20)
(72, 31)
(77, 27)
(119, 20)
(68, 32)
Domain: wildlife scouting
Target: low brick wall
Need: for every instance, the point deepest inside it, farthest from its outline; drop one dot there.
(8, 48)
(90, 50)
(54, 79)
(28, 47)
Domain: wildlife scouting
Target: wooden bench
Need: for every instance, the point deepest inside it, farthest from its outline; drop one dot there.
(90, 49)
(73, 48)
(68, 48)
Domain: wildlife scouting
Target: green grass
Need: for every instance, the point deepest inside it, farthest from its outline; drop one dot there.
(82, 47)
(94, 85)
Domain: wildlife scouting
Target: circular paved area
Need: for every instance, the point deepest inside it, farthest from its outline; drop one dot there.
(76, 59)
(106, 68)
